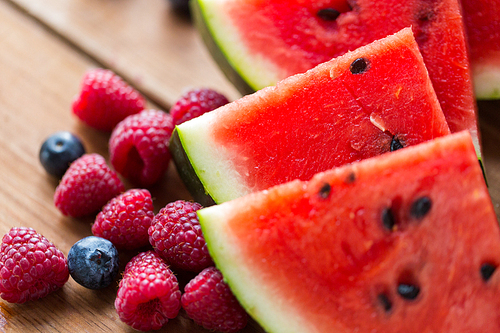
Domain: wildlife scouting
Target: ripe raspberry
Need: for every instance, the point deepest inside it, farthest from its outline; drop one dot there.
(105, 99)
(87, 185)
(148, 294)
(31, 266)
(138, 146)
(208, 300)
(176, 236)
(196, 102)
(125, 219)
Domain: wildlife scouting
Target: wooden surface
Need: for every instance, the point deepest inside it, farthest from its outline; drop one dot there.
(45, 47)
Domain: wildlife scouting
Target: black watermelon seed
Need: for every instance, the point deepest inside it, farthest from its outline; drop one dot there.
(388, 219)
(324, 191)
(351, 178)
(385, 302)
(328, 14)
(487, 271)
(408, 291)
(420, 207)
(359, 66)
(396, 144)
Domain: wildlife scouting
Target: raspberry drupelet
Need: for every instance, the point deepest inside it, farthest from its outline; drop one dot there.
(148, 295)
(31, 266)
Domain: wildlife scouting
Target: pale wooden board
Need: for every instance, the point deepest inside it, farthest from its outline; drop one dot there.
(45, 48)
(144, 41)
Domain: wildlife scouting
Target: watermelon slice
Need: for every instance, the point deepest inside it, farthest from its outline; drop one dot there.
(403, 242)
(373, 100)
(482, 22)
(261, 42)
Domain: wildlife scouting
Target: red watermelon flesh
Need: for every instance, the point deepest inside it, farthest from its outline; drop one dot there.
(292, 36)
(482, 22)
(403, 242)
(315, 121)
(364, 114)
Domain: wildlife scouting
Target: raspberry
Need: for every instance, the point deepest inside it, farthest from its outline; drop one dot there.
(87, 185)
(138, 146)
(148, 294)
(208, 300)
(176, 236)
(31, 266)
(196, 102)
(125, 219)
(105, 99)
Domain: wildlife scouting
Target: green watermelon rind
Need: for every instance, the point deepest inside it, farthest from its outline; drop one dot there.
(239, 277)
(187, 173)
(217, 54)
(204, 166)
(247, 74)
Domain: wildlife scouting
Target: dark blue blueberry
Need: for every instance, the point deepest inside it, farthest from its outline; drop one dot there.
(58, 151)
(181, 6)
(93, 262)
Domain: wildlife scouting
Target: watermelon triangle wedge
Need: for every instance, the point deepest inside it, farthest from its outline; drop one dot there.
(257, 43)
(370, 101)
(401, 242)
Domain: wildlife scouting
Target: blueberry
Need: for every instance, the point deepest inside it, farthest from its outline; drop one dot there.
(58, 151)
(180, 6)
(93, 262)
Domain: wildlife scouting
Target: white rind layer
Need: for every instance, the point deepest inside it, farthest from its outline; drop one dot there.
(252, 68)
(244, 280)
(209, 161)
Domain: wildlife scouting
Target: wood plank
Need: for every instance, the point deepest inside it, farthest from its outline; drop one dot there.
(40, 75)
(145, 42)
(45, 50)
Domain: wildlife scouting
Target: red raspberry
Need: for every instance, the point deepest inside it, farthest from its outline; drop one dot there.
(31, 266)
(87, 185)
(176, 236)
(148, 294)
(208, 300)
(196, 102)
(105, 99)
(138, 146)
(125, 219)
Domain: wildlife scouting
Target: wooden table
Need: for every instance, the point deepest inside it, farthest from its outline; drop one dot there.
(45, 47)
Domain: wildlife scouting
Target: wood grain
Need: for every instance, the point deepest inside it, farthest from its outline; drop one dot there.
(46, 46)
(145, 42)
(41, 73)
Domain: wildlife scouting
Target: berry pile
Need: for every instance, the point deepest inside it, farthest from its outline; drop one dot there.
(148, 296)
